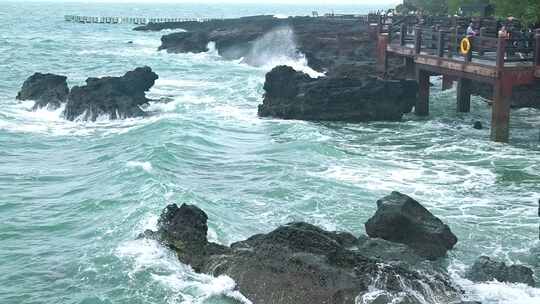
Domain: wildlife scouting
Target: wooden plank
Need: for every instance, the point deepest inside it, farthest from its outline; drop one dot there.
(459, 67)
(400, 50)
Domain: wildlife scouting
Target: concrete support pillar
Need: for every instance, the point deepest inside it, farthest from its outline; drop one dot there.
(422, 103)
(500, 112)
(382, 59)
(410, 69)
(464, 95)
(447, 82)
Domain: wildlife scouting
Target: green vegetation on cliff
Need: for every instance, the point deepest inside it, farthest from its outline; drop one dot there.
(527, 11)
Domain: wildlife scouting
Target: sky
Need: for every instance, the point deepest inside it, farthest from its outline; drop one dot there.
(315, 2)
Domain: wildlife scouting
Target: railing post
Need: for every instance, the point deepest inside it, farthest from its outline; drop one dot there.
(433, 38)
(403, 34)
(440, 44)
(501, 50)
(482, 35)
(417, 39)
(452, 42)
(537, 47)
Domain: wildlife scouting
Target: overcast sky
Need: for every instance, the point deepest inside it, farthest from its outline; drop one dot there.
(314, 2)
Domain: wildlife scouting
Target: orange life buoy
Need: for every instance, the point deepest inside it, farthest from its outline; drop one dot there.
(465, 46)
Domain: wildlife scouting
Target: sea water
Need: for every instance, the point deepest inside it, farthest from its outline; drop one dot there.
(75, 195)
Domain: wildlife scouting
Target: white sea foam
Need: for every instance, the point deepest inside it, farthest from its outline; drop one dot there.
(278, 47)
(493, 292)
(146, 166)
(19, 118)
(150, 256)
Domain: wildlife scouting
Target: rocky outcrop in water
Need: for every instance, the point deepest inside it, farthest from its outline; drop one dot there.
(523, 96)
(290, 94)
(399, 218)
(47, 90)
(301, 263)
(116, 97)
(326, 42)
(485, 269)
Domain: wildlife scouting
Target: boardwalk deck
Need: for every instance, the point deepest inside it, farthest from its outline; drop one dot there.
(502, 62)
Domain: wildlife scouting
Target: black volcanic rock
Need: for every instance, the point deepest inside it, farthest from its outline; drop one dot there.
(325, 42)
(399, 218)
(117, 97)
(194, 42)
(301, 263)
(290, 94)
(485, 269)
(47, 90)
(523, 96)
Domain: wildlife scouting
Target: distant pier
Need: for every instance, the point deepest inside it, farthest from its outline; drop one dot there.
(129, 20)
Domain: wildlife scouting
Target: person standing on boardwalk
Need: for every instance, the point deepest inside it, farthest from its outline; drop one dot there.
(470, 30)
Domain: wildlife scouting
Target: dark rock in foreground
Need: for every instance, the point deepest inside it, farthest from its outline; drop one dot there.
(401, 219)
(116, 97)
(290, 94)
(301, 263)
(485, 269)
(47, 90)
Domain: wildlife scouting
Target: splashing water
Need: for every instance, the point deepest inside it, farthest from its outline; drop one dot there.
(75, 195)
(278, 47)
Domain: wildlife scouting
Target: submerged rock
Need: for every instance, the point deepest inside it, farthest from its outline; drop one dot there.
(399, 218)
(47, 90)
(290, 94)
(485, 269)
(478, 125)
(116, 97)
(301, 263)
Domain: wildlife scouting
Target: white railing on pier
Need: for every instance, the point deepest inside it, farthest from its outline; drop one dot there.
(129, 20)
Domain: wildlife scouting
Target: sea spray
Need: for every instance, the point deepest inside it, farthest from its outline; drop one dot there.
(278, 47)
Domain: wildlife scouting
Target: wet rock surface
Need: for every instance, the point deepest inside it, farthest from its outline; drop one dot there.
(399, 218)
(114, 97)
(523, 96)
(486, 269)
(290, 94)
(326, 42)
(47, 90)
(302, 263)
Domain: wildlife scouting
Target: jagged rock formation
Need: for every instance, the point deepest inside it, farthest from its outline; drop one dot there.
(117, 97)
(290, 94)
(47, 90)
(301, 263)
(326, 42)
(399, 218)
(485, 269)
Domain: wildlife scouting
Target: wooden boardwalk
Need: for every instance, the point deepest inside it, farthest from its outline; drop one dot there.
(129, 20)
(429, 51)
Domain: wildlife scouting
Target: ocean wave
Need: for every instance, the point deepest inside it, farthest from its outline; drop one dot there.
(146, 166)
(149, 256)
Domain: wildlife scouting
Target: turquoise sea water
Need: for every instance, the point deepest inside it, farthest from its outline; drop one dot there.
(74, 195)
